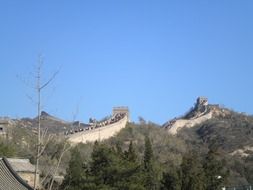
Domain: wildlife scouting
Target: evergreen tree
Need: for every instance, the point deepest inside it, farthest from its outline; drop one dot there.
(192, 173)
(133, 179)
(131, 154)
(148, 155)
(171, 180)
(102, 160)
(75, 172)
(114, 171)
(150, 179)
(215, 173)
(119, 149)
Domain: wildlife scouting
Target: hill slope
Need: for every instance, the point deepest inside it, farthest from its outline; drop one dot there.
(208, 126)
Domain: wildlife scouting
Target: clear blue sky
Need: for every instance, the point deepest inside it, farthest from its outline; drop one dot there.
(154, 56)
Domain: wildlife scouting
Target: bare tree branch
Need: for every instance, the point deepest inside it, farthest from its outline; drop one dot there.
(65, 149)
(44, 145)
(44, 134)
(41, 143)
(50, 80)
(31, 99)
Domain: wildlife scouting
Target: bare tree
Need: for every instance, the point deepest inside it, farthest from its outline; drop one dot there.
(42, 140)
(66, 147)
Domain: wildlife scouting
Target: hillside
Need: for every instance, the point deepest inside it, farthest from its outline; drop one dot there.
(53, 124)
(199, 113)
(208, 126)
(215, 126)
(204, 128)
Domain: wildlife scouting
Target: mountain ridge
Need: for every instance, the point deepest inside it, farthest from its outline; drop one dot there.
(199, 113)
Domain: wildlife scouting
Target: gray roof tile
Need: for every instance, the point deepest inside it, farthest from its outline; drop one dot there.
(9, 179)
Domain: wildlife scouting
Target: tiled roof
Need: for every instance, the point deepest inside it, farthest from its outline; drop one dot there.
(9, 179)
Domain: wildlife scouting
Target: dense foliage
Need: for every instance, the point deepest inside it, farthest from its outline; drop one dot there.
(144, 156)
(231, 135)
(118, 168)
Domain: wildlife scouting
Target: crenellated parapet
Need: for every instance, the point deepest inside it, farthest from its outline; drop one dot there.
(100, 130)
(98, 133)
(197, 114)
(202, 101)
(121, 110)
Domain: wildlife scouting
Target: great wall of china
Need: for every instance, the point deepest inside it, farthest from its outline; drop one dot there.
(102, 130)
(202, 111)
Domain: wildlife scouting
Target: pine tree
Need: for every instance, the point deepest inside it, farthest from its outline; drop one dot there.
(102, 160)
(148, 155)
(215, 173)
(133, 173)
(131, 154)
(171, 180)
(192, 173)
(150, 179)
(75, 172)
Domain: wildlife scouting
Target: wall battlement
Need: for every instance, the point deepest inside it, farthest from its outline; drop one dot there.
(121, 110)
(100, 133)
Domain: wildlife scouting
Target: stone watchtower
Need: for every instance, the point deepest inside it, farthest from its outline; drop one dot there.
(121, 109)
(202, 101)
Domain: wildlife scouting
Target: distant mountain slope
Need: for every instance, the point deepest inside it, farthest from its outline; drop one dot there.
(216, 127)
(46, 116)
(230, 133)
(233, 132)
(52, 123)
(201, 112)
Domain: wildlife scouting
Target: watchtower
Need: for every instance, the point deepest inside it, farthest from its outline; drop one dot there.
(203, 101)
(120, 110)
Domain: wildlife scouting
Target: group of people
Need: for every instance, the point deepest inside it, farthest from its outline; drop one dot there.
(115, 118)
(76, 130)
(94, 124)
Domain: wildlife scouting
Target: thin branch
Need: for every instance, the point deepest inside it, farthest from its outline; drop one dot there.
(41, 144)
(48, 173)
(31, 99)
(44, 134)
(26, 82)
(50, 80)
(44, 146)
(58, 164)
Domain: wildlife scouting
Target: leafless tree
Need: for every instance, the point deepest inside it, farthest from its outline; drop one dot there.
(66, 147)
(42, 141)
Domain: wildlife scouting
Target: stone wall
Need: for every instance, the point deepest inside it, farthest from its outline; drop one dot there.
(120, 110)
(181, 123)
(100, 133)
